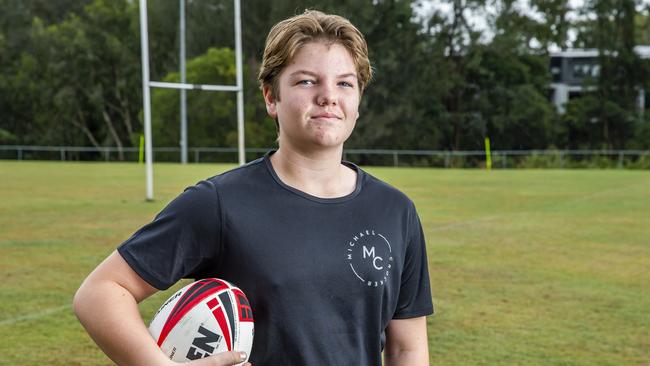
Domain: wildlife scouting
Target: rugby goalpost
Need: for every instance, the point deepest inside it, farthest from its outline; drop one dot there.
(183, 86)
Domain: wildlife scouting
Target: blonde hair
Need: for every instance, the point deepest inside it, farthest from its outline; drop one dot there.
(287, 37)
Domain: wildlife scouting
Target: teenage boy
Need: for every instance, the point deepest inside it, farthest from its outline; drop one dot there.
(332, 260)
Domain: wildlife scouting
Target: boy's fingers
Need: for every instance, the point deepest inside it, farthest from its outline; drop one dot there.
(222, 359)
(228, 358)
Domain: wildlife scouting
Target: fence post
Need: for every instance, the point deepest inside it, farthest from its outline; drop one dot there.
(20, 154)
(620, 160)
(504, 160)
(196, 155)
(561, 160)
(395, 161)
(62, 154)
(447, 160)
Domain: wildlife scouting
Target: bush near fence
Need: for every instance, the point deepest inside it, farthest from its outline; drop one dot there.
(504, 159)
(554, 159)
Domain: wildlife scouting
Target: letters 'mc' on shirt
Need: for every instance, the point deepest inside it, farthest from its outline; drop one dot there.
(323, 276)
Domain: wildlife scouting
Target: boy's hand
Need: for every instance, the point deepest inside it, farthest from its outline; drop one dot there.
(222, 359)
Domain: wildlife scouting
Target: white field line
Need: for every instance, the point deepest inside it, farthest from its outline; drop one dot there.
(604, 192)
(454, 225)
(466, 223)
(577, 200)
(34, 316)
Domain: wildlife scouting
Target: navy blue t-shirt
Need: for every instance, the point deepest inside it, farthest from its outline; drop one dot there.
(323, 276)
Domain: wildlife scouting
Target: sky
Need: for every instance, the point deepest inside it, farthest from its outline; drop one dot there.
(478, 19)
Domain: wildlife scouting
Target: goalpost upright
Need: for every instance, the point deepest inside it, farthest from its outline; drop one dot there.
(147, 84)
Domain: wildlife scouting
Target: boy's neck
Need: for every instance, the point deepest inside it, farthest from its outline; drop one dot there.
(318, 173)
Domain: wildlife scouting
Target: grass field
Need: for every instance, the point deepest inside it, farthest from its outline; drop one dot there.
(528, 267)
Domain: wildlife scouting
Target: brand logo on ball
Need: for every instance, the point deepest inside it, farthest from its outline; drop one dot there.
(370, 257)
(201, 345)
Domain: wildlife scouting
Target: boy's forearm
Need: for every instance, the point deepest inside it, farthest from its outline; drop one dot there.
(406, 342)
(111, 317)
(406, 357)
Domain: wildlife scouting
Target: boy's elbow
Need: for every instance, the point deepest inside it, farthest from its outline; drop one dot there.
(82, 301)
(79, 302)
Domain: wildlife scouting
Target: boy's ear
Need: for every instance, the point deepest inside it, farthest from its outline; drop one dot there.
(269, 100)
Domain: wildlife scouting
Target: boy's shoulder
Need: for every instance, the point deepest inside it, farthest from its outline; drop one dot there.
(384, 190)
(246, 173)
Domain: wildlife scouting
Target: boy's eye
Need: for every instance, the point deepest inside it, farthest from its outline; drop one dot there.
(346, 84)
(306, 82)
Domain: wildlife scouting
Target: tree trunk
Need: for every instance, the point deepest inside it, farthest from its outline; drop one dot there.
(82, 126)
(124, 110)
(113, 132)
(87, 132)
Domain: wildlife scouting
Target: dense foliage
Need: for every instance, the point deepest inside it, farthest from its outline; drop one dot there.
(71, 73)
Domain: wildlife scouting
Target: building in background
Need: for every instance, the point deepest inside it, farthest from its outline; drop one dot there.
(570, 69)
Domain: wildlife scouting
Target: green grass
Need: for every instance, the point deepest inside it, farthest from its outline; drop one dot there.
(528, 267)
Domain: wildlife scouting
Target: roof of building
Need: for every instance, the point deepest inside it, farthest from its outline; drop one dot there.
(643, 51)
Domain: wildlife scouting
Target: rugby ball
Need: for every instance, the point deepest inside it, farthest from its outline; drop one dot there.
(206, 317)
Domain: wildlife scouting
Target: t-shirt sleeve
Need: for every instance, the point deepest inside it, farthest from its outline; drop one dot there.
(182, 239)
(415, 292)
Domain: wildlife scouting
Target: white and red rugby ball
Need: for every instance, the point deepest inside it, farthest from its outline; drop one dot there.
(204, 318)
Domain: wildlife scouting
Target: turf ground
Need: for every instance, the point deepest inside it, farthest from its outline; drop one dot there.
(528, 267)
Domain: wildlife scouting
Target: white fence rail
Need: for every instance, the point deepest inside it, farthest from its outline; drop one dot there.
(439, 158)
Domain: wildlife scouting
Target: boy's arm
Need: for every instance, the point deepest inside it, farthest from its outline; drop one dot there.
(406, 342)
(107, 306)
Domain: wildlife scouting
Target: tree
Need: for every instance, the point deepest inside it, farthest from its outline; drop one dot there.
(89, 72)
(18, 84)
(513, 80)
(72, 72)
(553, 30)
(614, 111)
(211, 114)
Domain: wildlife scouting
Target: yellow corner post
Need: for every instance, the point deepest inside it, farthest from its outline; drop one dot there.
(488, 156)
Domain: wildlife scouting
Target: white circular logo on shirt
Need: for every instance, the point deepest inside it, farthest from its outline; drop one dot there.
(370, 257)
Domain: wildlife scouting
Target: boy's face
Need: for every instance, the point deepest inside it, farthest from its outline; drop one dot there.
(319, 97)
